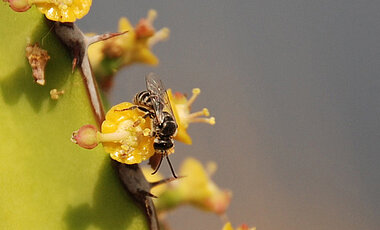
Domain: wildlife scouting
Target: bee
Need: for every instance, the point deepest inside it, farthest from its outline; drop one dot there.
(155, 103)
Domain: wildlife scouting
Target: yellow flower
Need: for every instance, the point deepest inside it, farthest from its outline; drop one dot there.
(228, 226)
(181, 107)
(195, 188)
(133, 47)
(200, 190)
(63, 10)
(55, 10)
(136, 45)
(125, 135)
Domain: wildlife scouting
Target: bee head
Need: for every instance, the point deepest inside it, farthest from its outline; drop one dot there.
(163, 144)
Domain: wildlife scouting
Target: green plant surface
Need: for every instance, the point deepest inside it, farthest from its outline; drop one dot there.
(46, 181)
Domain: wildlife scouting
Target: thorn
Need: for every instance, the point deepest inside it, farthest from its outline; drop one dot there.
(145, 193)
(164, 181)
(76, 60)
(74, 64)
(102, 37)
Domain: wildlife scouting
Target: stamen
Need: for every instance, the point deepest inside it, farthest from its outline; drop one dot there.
(146, 132)
(204, 112)
(127, 148)
(196, 92)
(211, 168)
(112, 137)
(210, 120)
(151, 16)
(139, 121)
(161, 35)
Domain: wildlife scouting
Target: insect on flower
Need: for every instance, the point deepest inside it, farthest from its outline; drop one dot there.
(155, 103)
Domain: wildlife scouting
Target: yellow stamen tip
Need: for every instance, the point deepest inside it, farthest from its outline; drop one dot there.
(161, 35)
(141, 120)
(211, 168)
(206, 112)
(125, 147)
(196, 91)
(146, 132)
(212, 120)
(152, 15)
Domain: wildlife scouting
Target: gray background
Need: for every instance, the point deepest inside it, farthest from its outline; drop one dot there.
(295, 89)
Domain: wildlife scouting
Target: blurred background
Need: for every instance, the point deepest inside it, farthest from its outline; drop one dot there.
(295, 89)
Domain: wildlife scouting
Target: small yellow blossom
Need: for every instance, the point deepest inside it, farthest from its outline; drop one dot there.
(136, 46)
(228, 226)
(181, 107)
(195, 188)
(133, 47)
(207, 195)
(55, 10)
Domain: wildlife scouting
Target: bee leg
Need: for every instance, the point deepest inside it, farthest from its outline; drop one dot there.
(130, 108)
(164, 181)
(147, 111)
(148, 114)
(170, 165)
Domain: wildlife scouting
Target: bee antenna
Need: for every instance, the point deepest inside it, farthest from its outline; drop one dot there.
(171, 167)
(158, 166)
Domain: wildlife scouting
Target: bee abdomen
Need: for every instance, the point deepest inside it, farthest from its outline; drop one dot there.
(143, 98)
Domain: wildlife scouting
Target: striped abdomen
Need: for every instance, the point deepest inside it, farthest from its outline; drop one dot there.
(143, 99)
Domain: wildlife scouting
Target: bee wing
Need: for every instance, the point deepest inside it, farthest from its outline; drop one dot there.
(159, 96)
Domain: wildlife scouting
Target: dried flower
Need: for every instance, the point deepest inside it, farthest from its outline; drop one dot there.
(37, 58)
(181, 108)
(54, 94)
(55, 10)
